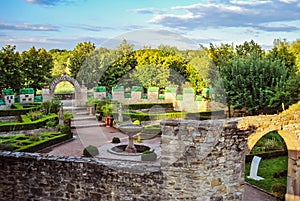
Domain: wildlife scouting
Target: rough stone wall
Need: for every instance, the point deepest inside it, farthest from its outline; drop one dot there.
(25, 176)
(203, 160)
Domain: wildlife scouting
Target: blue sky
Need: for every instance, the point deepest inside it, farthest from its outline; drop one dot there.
(64, 23)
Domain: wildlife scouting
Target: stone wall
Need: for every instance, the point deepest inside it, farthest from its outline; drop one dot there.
(25, 176)
(203, 160)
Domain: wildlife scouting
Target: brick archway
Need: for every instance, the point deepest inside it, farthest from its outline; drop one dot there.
(288, 127)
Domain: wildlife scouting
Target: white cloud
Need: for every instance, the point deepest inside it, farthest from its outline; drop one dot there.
(254, 14)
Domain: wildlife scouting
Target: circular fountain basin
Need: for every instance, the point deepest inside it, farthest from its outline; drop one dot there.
(120, 149)
(130, 129)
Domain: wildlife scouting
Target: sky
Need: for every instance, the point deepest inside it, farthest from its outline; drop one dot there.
(62, 24)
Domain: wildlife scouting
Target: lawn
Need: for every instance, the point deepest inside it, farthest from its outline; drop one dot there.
(269, 169)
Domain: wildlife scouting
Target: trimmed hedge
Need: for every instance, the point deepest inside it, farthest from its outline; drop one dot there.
(27, 125)
(42, 144)
(19, 109)
(149, 105)
(266, 155)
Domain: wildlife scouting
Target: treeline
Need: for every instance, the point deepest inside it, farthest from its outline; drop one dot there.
(253, 78)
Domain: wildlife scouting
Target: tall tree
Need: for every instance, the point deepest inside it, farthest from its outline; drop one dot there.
(61, 62)
(10, 68)
(36, 65)
(79, 55)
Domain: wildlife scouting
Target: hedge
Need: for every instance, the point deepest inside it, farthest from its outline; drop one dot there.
(266, 155)
(28, 125)
(42, 144)
(149, 105)
(19, 109)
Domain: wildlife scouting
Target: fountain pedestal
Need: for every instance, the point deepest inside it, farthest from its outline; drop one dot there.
(130, 130)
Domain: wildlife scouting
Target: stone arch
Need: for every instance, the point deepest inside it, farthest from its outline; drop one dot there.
(288, 127)
(80, 91)
(63, 78)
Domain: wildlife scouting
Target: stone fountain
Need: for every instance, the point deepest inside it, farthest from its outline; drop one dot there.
(130, 130)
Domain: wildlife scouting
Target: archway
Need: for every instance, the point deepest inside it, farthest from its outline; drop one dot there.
(80, 91)
(288, 127)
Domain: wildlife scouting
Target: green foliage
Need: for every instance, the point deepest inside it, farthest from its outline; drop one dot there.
(68, 115)
(269, 142)
(279, 190)
(65, 130)
(267, 169)
(10, 68)
(91, 101)
(33, 143)
(90, 151)
(35, 115)
(116, 140)
(36, 67)
(51, 124)
(28, 125)
(79, 55)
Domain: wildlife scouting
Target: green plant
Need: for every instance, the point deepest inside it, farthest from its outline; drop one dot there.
(90, 151)
(278, 190)
(116, 140)
(35, 115)
(51, 124)
(148, 155)
(92, 101)
(65, 130)
(35, 137)
(55, 105)
(107, 109)
(68, 115)
(46, 107)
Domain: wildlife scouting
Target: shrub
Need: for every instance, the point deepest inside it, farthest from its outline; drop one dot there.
(149, 155)
(278, 190)
(35, 115)
(116, 140)
(90, 151)
(51, 124)
(65, 130)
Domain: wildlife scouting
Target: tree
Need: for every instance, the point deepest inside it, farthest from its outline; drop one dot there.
(10, 68)
(254, 82)
(151, 75)
(36, 67)
(79, 55)
(61, 62)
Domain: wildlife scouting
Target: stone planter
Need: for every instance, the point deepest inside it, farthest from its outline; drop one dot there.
(149, 157)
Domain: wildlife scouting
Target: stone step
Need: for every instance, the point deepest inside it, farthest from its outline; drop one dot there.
(87, 125)
(81, 117)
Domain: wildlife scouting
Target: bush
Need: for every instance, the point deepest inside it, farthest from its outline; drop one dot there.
(116, 140)
(278, 190)
(148, 155)
(90, 151)
(65, 130)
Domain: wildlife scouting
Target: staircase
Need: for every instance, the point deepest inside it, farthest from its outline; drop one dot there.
(82, 118)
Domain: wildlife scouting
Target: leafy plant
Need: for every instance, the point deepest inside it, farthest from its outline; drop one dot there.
(278, 190)
(65, 130)
(35, 115)
(92, 101)
(90, 151)
(51, 124)
(116, 140)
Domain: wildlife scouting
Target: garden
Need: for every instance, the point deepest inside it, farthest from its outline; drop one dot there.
(31, 127)
(273, 166)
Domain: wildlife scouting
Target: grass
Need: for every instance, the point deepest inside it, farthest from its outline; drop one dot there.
(267, 169)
